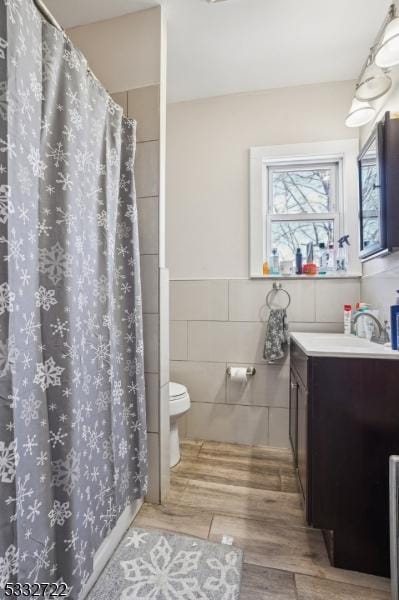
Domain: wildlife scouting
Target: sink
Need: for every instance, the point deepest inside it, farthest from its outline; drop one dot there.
(343, 341)
(339, 345)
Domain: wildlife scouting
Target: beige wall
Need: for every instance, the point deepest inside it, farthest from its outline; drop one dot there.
(381, 275)
(207, 166)
(218, 315)
(125, 54)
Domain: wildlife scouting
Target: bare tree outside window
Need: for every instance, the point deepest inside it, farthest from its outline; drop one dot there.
(370, 202)
(308, 194)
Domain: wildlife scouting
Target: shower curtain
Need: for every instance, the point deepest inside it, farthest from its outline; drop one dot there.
(72, 407)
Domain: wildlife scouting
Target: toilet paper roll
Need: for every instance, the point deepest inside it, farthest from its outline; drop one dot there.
(238, 375)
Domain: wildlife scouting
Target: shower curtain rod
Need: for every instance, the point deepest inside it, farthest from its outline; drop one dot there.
(47, 14)
(42, 8)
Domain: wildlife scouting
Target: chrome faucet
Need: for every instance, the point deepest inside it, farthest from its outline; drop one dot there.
(383, 335)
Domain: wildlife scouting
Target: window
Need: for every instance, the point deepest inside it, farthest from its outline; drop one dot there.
(301, 206)
(302, 193)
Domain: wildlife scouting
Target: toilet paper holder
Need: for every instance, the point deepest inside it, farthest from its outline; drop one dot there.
(250, 371)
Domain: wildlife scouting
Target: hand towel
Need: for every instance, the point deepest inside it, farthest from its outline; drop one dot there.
(276, 342)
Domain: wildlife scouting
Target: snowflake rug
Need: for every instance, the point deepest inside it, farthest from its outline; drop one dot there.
(163, 566)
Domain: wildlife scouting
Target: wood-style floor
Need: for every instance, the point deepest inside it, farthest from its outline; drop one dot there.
(250, 494)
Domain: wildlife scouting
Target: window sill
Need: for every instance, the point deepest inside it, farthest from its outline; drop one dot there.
(309, 277)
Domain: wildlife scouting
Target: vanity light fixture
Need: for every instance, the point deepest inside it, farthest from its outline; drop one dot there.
(373, 84)
(387, 54)
(374, 80)
(359, 114)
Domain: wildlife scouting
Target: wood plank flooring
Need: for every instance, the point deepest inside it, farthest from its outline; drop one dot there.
(250, 493)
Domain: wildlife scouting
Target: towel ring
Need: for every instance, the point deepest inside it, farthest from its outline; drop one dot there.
(277, 287)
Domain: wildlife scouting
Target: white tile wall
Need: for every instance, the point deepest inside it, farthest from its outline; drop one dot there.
(247, 300)
(199, 300)
(164, 357)
(220, 323)
(143, 106)
(226, 423)
(268, 387)
(331, 295)
(206, 381)
(147, 169)
(164, 442)
(278, 427)
(147, 209)
(380, 288)
(147, 190)
(152, 401)
(178, 340)
(154, 468)
(227, 341)
(150, 283)
(151, 343)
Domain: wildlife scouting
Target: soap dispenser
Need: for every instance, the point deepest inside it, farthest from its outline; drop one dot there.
(395, 324)
(342, 256)
(323, 259)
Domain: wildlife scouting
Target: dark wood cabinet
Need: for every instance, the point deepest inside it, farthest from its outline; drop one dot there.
(294, 415)
(303, 442)
(299, 420)
(344, 425)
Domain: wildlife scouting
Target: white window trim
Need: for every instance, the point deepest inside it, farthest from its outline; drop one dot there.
(343, 152)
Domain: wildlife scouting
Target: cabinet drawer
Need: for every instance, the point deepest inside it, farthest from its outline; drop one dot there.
(299, 362)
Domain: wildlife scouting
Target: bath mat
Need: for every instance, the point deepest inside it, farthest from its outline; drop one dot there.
(156, 565)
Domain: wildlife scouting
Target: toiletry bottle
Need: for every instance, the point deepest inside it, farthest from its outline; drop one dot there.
(361, 323)
(342, 257)
(274, 262)
(347, 319)
(298, 262)
(309, 268)
(331, 264)
(265, 268)
(322, 259)
(395, 324)
(354, 313)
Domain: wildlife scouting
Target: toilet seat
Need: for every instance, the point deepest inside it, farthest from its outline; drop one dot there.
(179, 399)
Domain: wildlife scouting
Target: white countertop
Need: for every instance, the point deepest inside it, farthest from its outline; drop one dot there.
(339, 345)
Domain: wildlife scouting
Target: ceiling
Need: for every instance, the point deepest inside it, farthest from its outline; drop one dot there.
(248, 45)
(70, 13)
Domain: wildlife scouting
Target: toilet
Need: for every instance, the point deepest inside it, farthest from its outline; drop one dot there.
(179, 404)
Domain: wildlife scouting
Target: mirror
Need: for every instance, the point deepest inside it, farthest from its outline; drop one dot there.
(371, 197)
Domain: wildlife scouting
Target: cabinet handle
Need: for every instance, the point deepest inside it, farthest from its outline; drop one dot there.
(294, 386)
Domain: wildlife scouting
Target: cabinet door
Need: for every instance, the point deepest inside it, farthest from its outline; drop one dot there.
(294, 416)
(303, 441)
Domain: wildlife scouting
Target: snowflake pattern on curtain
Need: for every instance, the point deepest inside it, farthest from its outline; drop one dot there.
(72, 407)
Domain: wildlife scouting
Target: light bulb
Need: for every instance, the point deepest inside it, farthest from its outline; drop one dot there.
(359, 114)
(388, 53)
(373, 84)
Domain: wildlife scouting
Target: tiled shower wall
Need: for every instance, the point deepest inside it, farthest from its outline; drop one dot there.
(143, 104)
(222, 322)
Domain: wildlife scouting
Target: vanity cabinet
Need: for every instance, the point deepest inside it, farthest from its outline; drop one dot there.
(293, 433)
(299, 431)
(344, 425)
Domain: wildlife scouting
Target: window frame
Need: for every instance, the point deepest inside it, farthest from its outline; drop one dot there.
(335, 214)
(344, 154)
